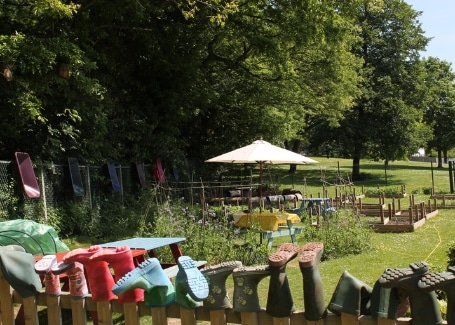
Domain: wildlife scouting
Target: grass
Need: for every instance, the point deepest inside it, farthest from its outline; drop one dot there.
(428, 243)
(415, 176)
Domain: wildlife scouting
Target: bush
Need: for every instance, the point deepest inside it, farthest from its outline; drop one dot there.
(210, 235)
(386, 191)
(342, 233)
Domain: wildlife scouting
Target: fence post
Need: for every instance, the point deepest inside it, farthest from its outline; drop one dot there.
(451, 176)
(43, 191)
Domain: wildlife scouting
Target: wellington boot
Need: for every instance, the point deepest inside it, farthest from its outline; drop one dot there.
(99, 277)
(424, 304)
(51, 281)
(279, 300)
(444, 281)
(216, 277)
(52, 284)
(192, 278)
(121, 260)
(351, 296)
(148, 276)
(384, 302)
(246, 280)
(76, 276)
(160, 296)
(18, 269)
(313, 293)
(182, 296)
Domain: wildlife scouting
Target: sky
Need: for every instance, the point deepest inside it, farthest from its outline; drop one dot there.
(438, 22)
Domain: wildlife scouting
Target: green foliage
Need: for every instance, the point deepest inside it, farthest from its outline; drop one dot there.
(342, 233)
(209, 236)
(451, 254)
(386, 191)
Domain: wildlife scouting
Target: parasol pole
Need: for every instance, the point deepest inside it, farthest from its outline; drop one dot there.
(260, 186)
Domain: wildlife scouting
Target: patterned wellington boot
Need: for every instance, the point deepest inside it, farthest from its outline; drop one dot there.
(246, 280)
(424, 305)
(75, 271)
(279, 299)
(444, 281)
(216, 276)
(351, 296)
(121, 260)
(148, 276)
(100, 279)
(191, 286)
(51, 281)
(313, 293)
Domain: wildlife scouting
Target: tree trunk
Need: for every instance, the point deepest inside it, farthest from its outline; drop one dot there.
(439, 158)
(356, 162)
(445, 156)
(295, 148)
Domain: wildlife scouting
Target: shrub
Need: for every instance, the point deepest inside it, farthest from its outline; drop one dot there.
(386, 191)
(342, 233)
(210, 235)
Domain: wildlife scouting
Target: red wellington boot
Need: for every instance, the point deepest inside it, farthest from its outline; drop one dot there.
(99, 277)
(121, 260)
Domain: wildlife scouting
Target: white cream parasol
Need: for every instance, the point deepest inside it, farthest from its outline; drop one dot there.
(262, 152)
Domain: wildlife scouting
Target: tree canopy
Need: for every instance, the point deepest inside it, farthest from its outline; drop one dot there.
(174, 80)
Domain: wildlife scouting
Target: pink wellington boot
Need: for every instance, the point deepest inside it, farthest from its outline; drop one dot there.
(76, 276)
(99, 277)
(121, 260)
(51, 281)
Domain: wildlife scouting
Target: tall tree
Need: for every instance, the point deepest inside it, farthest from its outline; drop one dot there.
(384, 123)
(269, 66)
(438, 104)
(47, 90)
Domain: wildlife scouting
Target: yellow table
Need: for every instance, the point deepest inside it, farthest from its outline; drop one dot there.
(267, 220)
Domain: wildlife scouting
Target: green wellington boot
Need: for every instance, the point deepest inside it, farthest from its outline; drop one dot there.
(191, 286)
(149, 276)
(279, 299)
(18, 269)
(384, 302)
(313, 293)
(351, 296)
(216, 276)
(246, 280)
(424, 305)
(444, 281)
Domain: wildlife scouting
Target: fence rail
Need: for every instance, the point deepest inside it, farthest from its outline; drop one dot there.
(134, 313)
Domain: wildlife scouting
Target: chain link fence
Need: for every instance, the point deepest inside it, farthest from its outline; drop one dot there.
(56, 187)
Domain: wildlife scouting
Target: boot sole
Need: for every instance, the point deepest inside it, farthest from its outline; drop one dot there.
(311, 254)
(434, 281)
(392, 277)
(197, 285)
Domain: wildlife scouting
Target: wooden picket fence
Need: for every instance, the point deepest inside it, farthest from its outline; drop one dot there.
(105, 312)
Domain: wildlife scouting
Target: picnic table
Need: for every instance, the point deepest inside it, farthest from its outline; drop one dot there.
(272, 224)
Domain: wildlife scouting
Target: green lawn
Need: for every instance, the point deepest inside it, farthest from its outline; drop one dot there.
(428, 243)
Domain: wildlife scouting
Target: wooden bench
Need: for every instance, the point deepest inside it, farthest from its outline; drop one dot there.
(172, 271)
